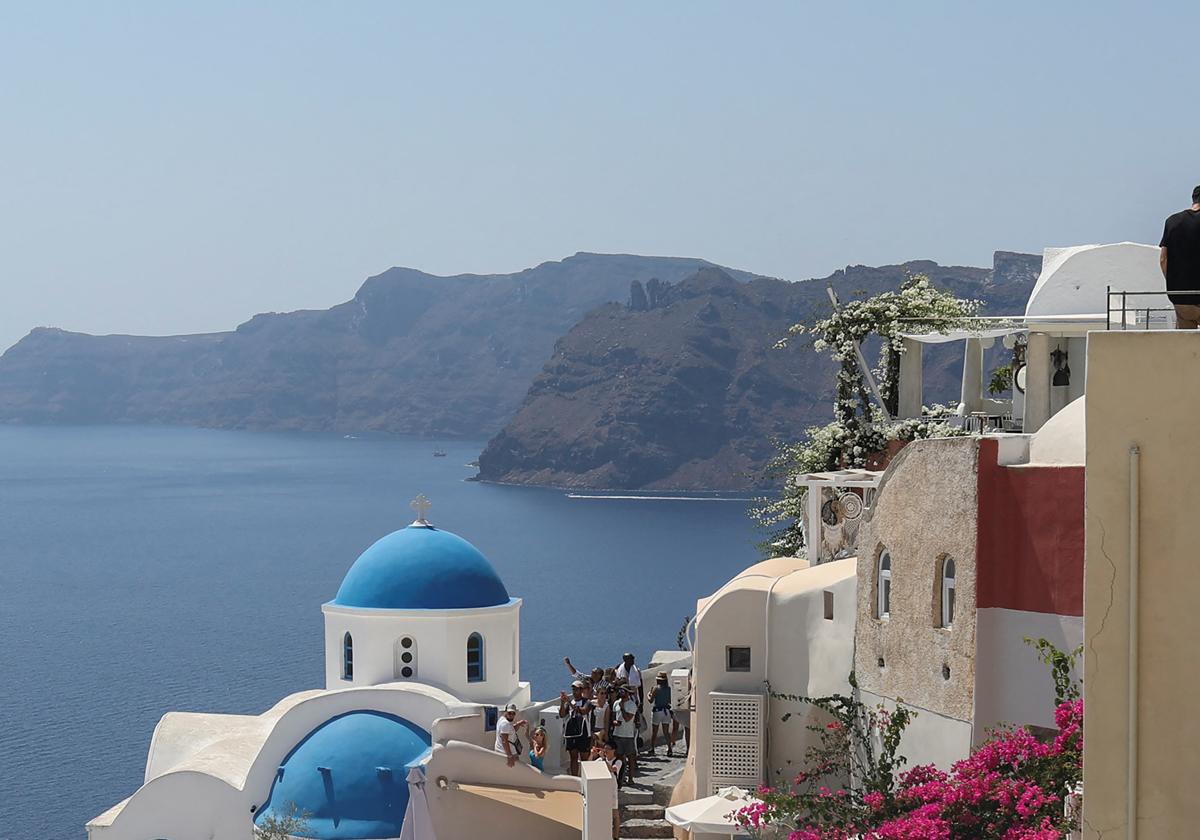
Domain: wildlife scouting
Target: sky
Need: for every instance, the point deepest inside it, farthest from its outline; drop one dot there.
(170, 167)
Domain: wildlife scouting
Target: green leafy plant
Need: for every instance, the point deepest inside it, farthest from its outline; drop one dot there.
(681, 636)
(1063, 667)
(292, 823)
(1001, 381)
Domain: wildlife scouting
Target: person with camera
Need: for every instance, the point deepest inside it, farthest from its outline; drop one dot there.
(576, 712)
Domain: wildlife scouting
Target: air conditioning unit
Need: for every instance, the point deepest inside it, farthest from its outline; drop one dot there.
(681, 699)
(738, 733)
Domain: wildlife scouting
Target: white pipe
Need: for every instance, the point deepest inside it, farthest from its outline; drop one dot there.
(1134, 562)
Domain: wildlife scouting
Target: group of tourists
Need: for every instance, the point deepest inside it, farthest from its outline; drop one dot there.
(602, 717)
(604, 714)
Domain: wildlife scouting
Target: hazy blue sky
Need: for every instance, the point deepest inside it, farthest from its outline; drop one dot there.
(170, 167)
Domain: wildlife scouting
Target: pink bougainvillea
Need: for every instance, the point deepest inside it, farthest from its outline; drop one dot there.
(1011, 788)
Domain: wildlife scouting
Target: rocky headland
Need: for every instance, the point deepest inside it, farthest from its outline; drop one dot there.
(662, 373)
(683, 389)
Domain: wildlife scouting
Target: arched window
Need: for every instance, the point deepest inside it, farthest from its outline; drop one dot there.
(475, 658)
(347, 657)
(947, 592)
(883, 604)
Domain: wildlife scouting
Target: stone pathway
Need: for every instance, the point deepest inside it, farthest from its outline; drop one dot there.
(643, 803)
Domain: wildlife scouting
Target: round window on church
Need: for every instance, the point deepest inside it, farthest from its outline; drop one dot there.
(406, 642)
(406, 672)
(406, 657)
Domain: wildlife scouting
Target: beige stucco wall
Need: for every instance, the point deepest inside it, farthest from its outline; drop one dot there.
(736, 617)
(810, 656)
(805, 653)
(1141, 389)
(926, 508)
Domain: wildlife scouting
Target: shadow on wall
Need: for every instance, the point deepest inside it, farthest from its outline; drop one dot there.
(472, 792)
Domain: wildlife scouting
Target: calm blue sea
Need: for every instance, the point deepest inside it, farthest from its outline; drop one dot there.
(150, 569)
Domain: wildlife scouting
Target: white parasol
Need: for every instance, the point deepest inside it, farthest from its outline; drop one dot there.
(712, 814)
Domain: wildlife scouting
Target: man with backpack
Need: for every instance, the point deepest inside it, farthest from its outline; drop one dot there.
(577, 712)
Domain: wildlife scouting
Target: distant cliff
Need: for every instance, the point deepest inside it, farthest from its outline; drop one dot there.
(681, 389)
(411, 353)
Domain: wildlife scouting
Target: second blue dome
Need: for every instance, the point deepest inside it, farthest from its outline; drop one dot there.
(421, 568)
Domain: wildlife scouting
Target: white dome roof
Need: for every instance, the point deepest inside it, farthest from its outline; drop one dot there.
(1062, 440)
(1074, 280)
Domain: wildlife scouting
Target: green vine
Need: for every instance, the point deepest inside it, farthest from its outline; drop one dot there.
(1063, 667)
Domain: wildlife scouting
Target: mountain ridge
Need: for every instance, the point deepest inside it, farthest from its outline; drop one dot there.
(690, 394)
(409, 353)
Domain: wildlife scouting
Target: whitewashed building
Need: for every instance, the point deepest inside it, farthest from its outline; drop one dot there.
(925, 578)
(422, 644)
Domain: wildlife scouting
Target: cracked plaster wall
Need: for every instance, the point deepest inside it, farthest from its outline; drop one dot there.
(1141, 389)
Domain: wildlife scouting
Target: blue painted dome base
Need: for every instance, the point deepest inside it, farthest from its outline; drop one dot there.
(349, 777)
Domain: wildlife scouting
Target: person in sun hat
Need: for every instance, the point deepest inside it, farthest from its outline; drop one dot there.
(660, 715)
(507, 741)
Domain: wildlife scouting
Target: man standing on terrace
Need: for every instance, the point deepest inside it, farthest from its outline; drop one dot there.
(1179, 257)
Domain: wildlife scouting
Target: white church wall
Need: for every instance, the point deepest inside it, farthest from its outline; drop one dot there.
(468, 728)
(181, 806)
(187, 803)
(457, 813)
(419, 704)
(440, 648)
(180, 735)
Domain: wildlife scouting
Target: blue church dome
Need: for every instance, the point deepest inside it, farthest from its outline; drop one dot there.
(421, 568)
(350, 776)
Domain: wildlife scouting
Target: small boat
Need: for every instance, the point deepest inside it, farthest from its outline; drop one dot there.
(439, 453)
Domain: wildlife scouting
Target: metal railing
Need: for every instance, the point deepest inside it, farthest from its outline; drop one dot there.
(1142, 316)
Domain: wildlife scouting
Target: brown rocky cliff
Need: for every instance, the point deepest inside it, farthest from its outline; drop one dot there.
(691, 394)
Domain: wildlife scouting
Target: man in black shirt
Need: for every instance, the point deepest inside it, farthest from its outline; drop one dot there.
(1179, 257)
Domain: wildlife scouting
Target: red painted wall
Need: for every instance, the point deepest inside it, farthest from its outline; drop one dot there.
(1030, 540)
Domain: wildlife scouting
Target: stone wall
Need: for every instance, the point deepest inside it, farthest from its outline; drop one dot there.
(925, 511)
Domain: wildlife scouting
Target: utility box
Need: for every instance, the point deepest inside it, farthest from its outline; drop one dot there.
(681, 697)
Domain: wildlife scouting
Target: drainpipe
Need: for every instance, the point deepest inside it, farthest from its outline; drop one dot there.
(766, 768)
(1134, 562)
(766, 723)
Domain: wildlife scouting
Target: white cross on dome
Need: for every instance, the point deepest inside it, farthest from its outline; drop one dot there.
(421, 505)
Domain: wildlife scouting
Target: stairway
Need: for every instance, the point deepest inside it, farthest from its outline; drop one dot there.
(643, 803)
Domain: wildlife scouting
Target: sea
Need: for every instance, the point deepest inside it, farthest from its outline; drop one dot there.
(149, 569)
